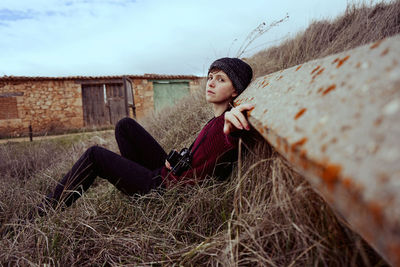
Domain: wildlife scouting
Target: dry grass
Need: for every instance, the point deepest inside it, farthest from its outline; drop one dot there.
(265, 214)
(359, 25)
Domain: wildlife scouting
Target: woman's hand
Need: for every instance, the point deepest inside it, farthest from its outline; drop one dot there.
(167, 165)
(235, 120)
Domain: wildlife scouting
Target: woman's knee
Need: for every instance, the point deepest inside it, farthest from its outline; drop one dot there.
(124, 123)
(93, 152)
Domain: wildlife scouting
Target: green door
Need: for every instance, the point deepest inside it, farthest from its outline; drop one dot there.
(168, 93)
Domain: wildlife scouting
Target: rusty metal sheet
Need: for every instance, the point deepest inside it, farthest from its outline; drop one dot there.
(337, 120)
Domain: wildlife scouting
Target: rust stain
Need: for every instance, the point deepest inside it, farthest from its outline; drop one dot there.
(345, 128)
(330, 88)
(334, 140)
(348, 183)
(323, 148)
(341, 61)
(298, 67)
(265, 85)
(288, 90)
(298, 129)
(299, 143)
(303, 153)
(378, 121)
(318, 73)
(383, 178)
(314, 70)
(265, 111)
(358, 65)
(320, 89)
(300, 113)
(376, 211)
(394, 251)
(291, 158)
(384, 52)
(376, 44)
(354, 188)
(330, 174)
(250, 111)
(280, 77)
(336, 60)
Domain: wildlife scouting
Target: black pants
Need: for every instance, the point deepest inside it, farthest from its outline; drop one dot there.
(136, 170)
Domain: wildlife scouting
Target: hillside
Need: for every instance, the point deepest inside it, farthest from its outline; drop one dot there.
(359, 25)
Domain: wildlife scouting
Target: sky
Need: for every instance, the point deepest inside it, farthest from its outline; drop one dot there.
(120, 37)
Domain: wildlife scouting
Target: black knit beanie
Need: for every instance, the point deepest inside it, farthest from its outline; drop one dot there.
(237, 70)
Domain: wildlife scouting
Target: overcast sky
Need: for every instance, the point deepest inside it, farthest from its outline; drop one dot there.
(115, 37)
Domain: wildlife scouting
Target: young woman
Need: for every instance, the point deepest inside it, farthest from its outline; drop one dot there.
(143, 165)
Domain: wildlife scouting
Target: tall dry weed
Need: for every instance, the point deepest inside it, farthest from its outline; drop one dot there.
(360, 24)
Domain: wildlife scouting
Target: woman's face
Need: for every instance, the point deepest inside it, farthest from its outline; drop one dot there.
(219, 88)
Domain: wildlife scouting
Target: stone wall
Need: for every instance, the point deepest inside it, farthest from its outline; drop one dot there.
(46, 105)
(54, 105)
(143, 97)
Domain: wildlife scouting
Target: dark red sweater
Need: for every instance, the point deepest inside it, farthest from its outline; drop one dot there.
(215, 145)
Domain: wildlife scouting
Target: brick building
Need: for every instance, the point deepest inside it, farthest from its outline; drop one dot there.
(52, 104)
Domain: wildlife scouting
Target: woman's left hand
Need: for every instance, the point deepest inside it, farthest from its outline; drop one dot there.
(234, 119)
(168, 165)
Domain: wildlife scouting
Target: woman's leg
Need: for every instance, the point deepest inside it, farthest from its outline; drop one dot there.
(128, 176)
(136, 144)
(133, 172)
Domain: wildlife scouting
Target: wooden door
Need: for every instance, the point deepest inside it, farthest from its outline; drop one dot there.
(106, 103)
(95, 112)
(116, 102)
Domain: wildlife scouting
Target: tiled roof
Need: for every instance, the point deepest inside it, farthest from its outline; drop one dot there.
(145, 76)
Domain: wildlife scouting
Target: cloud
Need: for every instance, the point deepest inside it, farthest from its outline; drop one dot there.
(14, 15)
(105, 37)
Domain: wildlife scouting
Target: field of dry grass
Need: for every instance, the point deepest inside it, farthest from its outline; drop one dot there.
(265, 214)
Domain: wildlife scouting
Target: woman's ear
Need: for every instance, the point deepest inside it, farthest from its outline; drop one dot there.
(234, 94)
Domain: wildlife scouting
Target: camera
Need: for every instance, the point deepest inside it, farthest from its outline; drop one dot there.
(179, 162)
